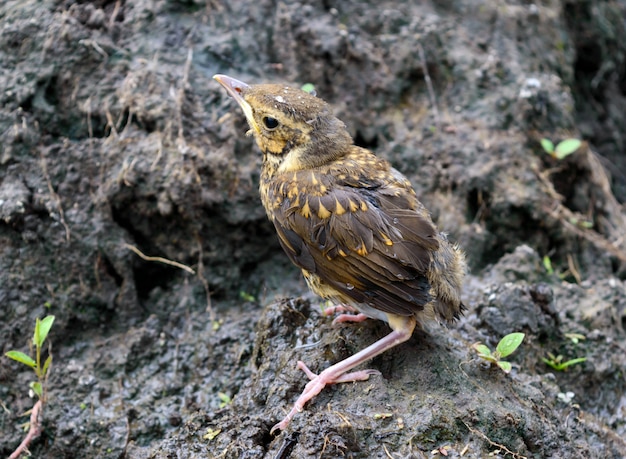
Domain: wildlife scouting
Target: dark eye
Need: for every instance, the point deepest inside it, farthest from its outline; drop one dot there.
(270, 123)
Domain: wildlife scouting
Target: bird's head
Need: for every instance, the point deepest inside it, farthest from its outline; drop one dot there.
(294, 129)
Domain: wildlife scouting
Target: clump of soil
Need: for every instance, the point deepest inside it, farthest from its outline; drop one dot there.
(115, 143)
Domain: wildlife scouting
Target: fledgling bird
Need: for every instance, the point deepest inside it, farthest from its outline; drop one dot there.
(350, 222)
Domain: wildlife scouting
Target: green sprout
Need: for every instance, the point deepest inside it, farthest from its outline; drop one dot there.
(563, 149)
(581, 222)
(309, 87)
(507, 345)
(575, 337)
(211, 433)
(556, 362)
(547, 264)
(247, 296)
(42, 328)
(39, 387)
(224, 399)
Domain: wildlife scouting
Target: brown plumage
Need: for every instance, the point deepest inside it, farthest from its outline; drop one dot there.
(350, 222)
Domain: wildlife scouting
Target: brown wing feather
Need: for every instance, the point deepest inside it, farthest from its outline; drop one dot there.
(377, 253)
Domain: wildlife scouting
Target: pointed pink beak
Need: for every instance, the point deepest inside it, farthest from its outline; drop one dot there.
(234, 87)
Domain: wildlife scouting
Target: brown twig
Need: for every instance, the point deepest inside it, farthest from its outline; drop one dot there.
(116, 11)
(204, 281)
(33, 431)
(160, 259)
(493, 443)
(180, 97)
(55, 196)
(429, 83)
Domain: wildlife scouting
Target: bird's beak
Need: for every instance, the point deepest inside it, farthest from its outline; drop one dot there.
(237, 90)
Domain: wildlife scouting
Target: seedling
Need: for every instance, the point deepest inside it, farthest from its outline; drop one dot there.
(575, 337)
(563, 149)
(565, 397)
(547, 264)
(247, 296)
(224, 399)
(39, 387)
(507, 345)
(42, 328)
(310, 88)
(556, 362)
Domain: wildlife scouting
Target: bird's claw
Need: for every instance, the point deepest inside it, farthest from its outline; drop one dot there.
(316, 384)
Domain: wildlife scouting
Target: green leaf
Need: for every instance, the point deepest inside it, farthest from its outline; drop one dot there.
(46, 365)
(211, 434)
(509, 343)
(482, 349)
(309, 87)
(22, 358)
(547, 145)
(247, 297)
(567, 147)
(36, 387)
(547, 264)
(569, 363)
(225, 399)
(42, 328)
(575, 337)
(506, 366)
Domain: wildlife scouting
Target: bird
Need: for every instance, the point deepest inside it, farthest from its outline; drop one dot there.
(351, 222)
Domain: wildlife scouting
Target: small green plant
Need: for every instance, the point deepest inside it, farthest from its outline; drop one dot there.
(556, 361)
(224, 399)
(247, 296)
(38, 387)
(310, 88)
(563, 149)
(507, 345)
(42, 328)
(575, 337)
(547, 265)
(581, 222)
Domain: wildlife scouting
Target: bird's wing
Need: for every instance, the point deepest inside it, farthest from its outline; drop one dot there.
(371, 244)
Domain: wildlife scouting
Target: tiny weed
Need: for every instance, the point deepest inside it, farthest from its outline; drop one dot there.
(581, 222)
(224, 399)
(556, 362)
(563, 149)
(42, 328)
(565, 397)
(507, 345)
(247, 296)
(547, 264)
(211, 433)
(38, 387)
(575, 337)
(310, 88)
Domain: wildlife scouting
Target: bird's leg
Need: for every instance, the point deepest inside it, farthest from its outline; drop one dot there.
(402, 329)
(344, 317)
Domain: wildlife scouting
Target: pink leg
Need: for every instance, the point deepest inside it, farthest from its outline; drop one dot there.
(344, 317)
(402, 329)
(349, 318)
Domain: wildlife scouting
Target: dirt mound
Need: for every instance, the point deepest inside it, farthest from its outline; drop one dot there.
(115, 141)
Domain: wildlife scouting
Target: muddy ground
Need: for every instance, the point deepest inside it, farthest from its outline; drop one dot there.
(113, 135)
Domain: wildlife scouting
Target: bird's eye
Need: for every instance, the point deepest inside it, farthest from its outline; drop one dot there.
(270, 123)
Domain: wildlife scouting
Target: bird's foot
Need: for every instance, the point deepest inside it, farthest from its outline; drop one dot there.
(341, 308)
(330, 310)
(317, 382)
(349, 318)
